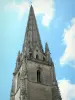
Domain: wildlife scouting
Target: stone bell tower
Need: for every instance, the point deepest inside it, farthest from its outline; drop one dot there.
(34, 76)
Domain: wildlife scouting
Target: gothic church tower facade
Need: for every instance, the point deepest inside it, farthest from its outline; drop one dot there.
(34, 76)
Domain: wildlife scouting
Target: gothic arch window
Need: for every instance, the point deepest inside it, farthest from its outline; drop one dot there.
(43, 58)
(38, 76)
(30, 54)
(37, 57)
(18, 80)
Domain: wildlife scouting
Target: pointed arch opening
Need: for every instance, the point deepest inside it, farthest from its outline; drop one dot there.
(30, 54)
(37, 57)
(43, 58)
(38, 76)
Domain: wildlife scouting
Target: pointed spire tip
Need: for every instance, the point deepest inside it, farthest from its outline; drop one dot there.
(31, 7)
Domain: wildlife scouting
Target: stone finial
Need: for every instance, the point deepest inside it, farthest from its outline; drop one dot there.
(46, 48)
(18, 57)
(47, 53)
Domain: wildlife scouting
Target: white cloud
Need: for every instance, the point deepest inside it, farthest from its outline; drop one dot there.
(20, 8)
(69, 41)
(44, 7)
(67, 89)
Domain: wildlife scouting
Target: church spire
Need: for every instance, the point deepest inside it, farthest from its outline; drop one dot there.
(34, 68)
(32, 37)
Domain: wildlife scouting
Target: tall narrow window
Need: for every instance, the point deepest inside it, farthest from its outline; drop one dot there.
(43, 58)
(38, 76)
(30, 55)
(37, 57)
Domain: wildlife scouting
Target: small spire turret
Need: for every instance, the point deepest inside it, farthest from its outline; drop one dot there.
(46, 48)
(47, 53)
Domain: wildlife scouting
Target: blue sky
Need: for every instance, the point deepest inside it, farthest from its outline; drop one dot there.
(56, 23)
